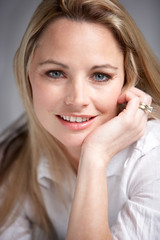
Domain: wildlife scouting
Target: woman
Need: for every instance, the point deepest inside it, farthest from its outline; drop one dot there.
(83, 162)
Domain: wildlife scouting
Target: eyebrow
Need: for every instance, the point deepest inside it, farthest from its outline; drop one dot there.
(54, 62)
(50, 61)
(105, 66)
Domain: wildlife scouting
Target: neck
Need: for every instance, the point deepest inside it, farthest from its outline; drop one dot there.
(73, 155)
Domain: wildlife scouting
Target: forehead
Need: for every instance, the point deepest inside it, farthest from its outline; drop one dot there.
(66, 39)
(68, 27)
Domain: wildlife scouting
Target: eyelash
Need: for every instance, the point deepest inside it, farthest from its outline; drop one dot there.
(48, 73)
(62, 75)
(107, 77)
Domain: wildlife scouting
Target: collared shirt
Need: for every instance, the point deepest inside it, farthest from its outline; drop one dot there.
(133, 179)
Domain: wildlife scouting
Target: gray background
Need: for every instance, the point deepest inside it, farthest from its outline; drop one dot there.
(14, 17)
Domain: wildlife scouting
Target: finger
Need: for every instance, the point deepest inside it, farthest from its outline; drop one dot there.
(144, 97)
(127, 96)
(134, 118)
(132, 104)
(145, 100)
(132, 109)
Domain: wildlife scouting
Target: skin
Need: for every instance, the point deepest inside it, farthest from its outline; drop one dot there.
(78, 70)
(77, 92)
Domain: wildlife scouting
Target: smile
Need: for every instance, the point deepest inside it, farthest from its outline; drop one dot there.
(76, 122)
(74, 119)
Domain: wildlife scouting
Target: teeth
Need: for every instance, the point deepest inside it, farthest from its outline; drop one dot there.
(74, 119)
(67, 118)
(79, 119)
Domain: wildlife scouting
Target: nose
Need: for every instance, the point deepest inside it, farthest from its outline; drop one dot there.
(77, 93)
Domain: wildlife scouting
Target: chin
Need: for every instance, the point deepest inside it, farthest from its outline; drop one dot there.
(72, 142)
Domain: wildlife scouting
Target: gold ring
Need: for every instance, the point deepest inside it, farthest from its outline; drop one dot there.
(145, 107)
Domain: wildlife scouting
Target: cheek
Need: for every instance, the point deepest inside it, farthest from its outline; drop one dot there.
(40, 98)
(108, 102)
(43, 97)
(43, 104)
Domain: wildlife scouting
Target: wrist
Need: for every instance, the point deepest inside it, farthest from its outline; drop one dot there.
(93, 160)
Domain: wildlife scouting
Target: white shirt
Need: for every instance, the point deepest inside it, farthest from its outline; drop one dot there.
(133, 178)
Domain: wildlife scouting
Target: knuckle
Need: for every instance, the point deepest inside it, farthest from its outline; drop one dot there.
(148, 98)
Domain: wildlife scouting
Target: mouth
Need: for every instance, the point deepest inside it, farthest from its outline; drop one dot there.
(76, 122)
(75, 119)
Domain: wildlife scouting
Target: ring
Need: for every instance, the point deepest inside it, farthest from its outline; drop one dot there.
(145, 107)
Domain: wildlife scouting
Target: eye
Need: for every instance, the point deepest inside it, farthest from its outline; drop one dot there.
(55, 74)
(101, 77)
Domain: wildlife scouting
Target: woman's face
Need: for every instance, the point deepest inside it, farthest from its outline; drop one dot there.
(76, 75)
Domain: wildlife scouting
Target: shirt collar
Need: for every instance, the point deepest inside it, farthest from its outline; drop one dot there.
(46, 179)
(149, 141)
(44, 175)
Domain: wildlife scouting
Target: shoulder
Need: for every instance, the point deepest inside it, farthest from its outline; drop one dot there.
(138, 187)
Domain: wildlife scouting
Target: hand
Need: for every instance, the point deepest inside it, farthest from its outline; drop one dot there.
(121, 131)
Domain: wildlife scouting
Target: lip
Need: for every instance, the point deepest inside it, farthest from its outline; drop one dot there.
(76, 115)
(76, 125)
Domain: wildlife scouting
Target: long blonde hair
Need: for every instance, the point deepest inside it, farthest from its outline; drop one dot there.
(141, 70)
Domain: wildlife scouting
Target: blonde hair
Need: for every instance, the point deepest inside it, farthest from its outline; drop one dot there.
(141, 70)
